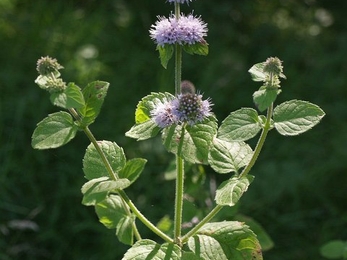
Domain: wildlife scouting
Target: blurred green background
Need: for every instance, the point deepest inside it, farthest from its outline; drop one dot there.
(299, 194)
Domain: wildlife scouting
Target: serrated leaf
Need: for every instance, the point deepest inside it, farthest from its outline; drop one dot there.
(149, 250)
(240, 125)
(196, 142)
(94, 167)
(97, 189)
(94, 94)
(200, 48)
(263, 237)
(264, 97)
(230, 191)
(143, 131)
(148, 103)
(296, 116)
(224, 241)
(257, 72)
(225, 157)
(132, 169)
(54, 131)
(72, 97)
(165, 54)
(112, 214)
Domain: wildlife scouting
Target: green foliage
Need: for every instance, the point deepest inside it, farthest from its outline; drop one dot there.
(54, 131)
(335, 249)
(148, 249)
(71, 97)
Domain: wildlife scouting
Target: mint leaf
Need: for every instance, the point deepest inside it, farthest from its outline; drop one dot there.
(257, 72)
(165, 54)
(143, 131)
(54, 131)
(148, 249)
(230, 191)
(224, 241)
(94, 94)
(132, 169)
(196, 141)
(296, 116)
(335, 249)
(97, 189)
(240, 125)
(113, 215)
(264, 97)
(72, 97)
(200, 48)
(227, 157)
(94, 167)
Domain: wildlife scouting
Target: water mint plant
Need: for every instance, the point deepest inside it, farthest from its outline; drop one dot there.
(189, 130)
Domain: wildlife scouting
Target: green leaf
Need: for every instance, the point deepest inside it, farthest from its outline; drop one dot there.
(224, 241)
(148, 103)
(230, 191)
(94, 94)
(149, 250)
(227, 157)
(296, 116)
(54, 131)
(165, 54)
(264, 97)
(97, 189)
(257, 72)
(143, 131)
(240, 125)
(113, 215)
(263, 237)
(335, 249)
(196, 142)
(200, 48)
(72, 97)
(132, 169)
(94, 167)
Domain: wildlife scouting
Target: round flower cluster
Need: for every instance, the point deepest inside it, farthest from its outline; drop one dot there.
(185, 108)
(184, 30)
(179, 1)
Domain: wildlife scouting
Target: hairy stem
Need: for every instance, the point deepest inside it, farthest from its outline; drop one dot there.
(121, 193)
(179, 198)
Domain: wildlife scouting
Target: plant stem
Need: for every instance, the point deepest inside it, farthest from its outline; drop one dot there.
(260, 143)
(179, 198)
(257, 150)
(178, 68)
(206, 219)
(121, 193)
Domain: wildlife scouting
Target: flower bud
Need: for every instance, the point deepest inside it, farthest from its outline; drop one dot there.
(187, 87)
(47, 65)
(273, 65)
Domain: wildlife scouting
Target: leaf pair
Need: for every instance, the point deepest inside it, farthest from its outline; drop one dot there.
(59, 128)
(219, 241)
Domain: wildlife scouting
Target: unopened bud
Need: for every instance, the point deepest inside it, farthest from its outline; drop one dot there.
(47, 65)
(187, 87)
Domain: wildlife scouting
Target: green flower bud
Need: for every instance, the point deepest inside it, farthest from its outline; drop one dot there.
(47, 65)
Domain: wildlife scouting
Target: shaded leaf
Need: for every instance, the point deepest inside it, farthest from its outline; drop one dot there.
(264, 97)
(112, 214)
(227, 157)
(54, 131)
(72, 97)
(296, 116)
(132, 169)
(230, 191)
(149, 250)
(165, 54)
(240, 125)
(94, 167)
(196, 141)
(200, 48)
(143, 131)
(224, 241)
(335, 249)
(97, 189)
(94, 94)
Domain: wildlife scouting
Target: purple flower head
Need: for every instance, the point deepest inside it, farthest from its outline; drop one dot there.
(191, 29)
(163, 116)
(190, 108)
(185, 30)
(164, 31)
(179, 1)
